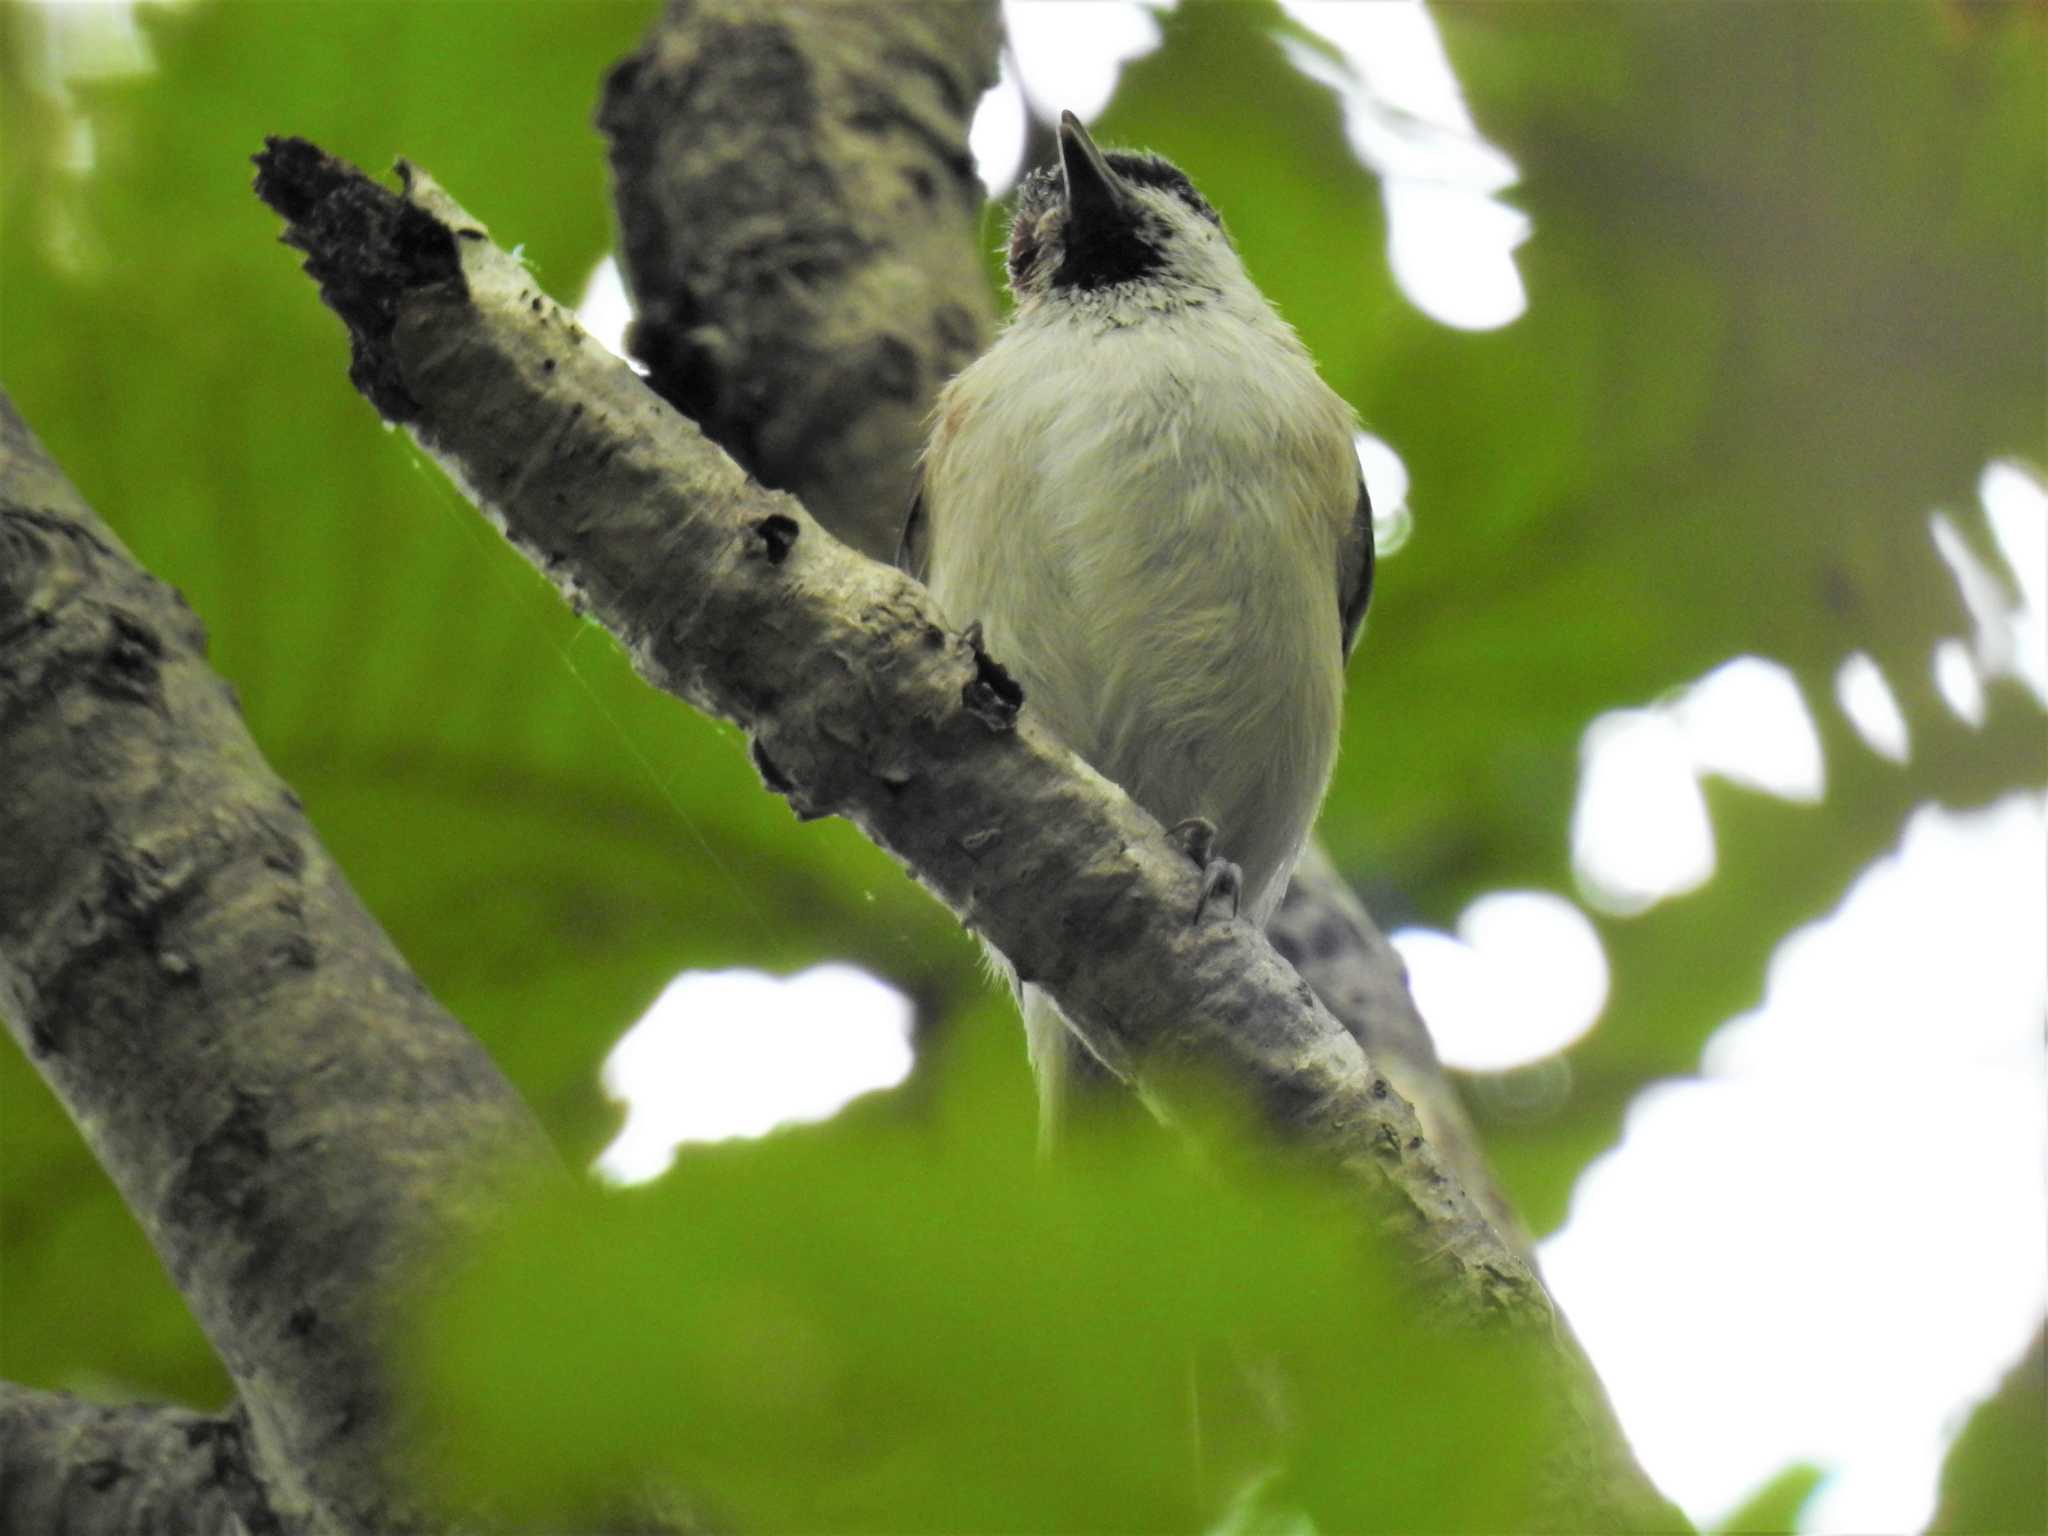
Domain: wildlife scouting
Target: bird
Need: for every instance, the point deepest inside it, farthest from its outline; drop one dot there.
(1148, 504)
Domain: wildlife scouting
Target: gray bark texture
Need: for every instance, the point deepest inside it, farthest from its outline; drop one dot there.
(1323, 930)
(293, 1121)
(101, 1469)
(797, 212)
(860, 703)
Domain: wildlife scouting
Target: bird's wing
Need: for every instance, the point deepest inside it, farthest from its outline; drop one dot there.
(1354, 569)
(914, 549)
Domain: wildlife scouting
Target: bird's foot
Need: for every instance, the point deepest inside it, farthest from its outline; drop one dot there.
(1196, 838)
(1220, 878)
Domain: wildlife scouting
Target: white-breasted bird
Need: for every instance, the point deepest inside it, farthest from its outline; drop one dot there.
(1150, 502)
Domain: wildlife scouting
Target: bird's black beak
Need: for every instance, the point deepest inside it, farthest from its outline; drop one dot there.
(1096, 203)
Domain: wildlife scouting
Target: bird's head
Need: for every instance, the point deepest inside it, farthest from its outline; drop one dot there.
(1116, 227)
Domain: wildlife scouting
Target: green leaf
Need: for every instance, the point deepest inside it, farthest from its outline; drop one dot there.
(900, 1322)
(1773, 1510)
(1996, 1476)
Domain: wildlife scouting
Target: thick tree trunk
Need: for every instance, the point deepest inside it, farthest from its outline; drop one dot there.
(797, 216)
(294, 1122)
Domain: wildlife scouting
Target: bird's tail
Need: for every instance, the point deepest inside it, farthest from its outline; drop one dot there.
(1072, 1084)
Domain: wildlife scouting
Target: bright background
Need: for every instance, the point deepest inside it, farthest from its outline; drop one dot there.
(1696, 747)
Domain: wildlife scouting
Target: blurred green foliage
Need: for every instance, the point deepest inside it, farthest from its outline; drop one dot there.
(1773, 1510)
(1787, 296)
(901, 1321)
(1996, 1478)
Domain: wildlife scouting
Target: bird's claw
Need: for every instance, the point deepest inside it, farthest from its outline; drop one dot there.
(1219, 877)
(1197, 839)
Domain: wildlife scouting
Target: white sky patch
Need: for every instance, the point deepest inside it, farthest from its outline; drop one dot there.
(723, 1054)
(1956, 679)
(90, 41)
(1640, 831)
(1452, 252)
(1985, 596)
(1836, 1240)
(1867, 699)
(2008, 626)
(605, 311)
(1524, 978)
(1386, 482)
(1450, 241)
(1070, 55)
(79, 44)
(1453, 992)
(1981, 975)
(996, 136)
(1747, 722)
(2016, 505)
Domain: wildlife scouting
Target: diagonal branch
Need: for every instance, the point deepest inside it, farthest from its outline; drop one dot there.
(293, 1121)
(1323, 930)
(859, 703)
(130, 1469)
(796, 210)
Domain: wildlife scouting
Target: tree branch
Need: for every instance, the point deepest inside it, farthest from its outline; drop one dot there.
(1323, 930)
(797, 220)
(292, 1119)
(860, 704)
(797, 214)
(130, 1469)
(858, 700)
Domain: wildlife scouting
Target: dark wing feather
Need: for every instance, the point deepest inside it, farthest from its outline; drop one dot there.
(914, 549)
(1354, 570)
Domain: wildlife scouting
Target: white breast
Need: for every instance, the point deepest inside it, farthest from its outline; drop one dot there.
(1145, 519)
